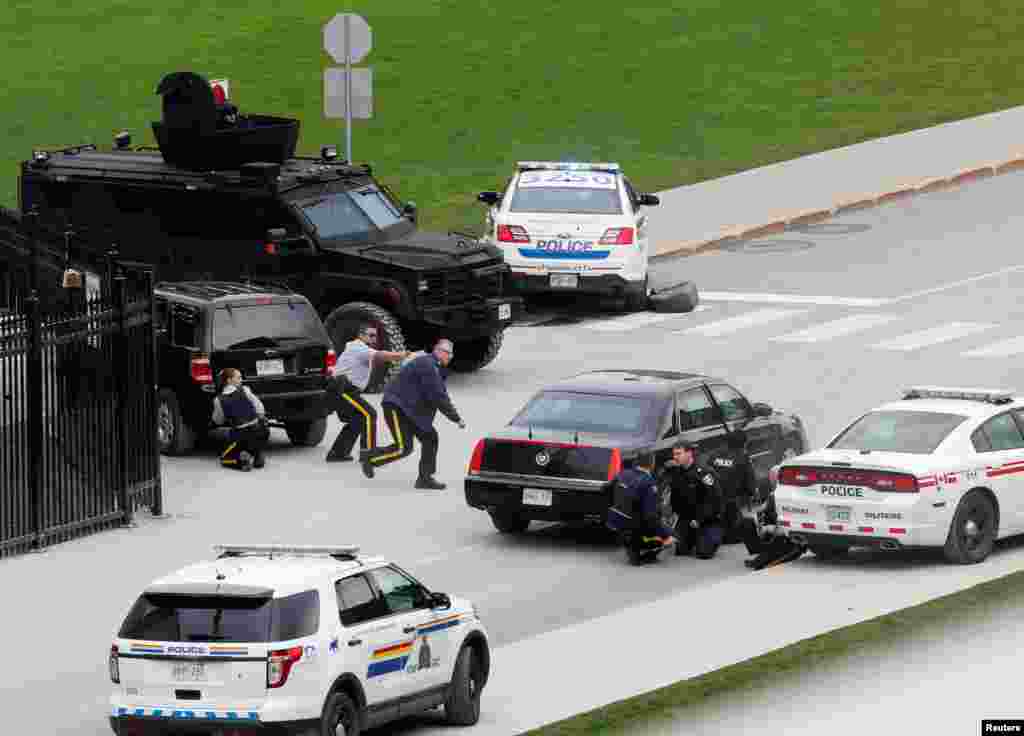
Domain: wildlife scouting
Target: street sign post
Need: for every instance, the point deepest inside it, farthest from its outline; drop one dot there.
(348, 39)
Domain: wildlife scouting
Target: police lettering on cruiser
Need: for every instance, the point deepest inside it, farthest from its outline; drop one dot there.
(845, 491)
(882, 515)
(186, 650)
(793, 510)
(568, 246)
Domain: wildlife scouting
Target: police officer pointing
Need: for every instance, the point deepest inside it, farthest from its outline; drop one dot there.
(697, 498)
(635, 511)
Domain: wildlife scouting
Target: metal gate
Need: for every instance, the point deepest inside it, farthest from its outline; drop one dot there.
(78, 444)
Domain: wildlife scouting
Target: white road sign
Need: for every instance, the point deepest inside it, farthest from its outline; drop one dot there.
(359, 37)
(362, 93)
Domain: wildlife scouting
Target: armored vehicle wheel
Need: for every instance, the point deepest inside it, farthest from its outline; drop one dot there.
(472, 355)
(306, 434)
(343, 323)
(174, 435)
(972, 534)
(679, 298)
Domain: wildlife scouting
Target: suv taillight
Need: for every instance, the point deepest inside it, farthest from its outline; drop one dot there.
(617, 236)
(115, 671)
(201, 370)
(330, 361)
(513, 234)
(279, 665)
(478, 458)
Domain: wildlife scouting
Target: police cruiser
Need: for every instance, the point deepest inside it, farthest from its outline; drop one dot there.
(293, 639)
(577, 227)
(943, 467)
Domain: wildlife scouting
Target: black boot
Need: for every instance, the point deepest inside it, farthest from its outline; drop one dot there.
(429, 484)
(259, 461)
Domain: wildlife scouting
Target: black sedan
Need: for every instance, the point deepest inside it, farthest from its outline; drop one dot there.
(553, 461)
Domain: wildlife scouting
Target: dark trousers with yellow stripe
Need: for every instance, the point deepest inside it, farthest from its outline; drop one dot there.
(251, 439)
(404, 431)
(358, 419)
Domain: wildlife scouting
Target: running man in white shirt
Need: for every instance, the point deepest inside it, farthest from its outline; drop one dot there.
(351, 376)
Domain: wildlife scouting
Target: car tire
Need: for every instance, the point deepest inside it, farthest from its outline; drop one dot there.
(174, 435)
(972, 533)
(462, 707)
(508, 523)
(472, 355)
(306, 434)
(339, 709)
(637, 300)
(343, 323)
(675, 299)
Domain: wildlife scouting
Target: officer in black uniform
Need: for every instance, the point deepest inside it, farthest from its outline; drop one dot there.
(739, 484)
(240, 409)
(698, 500)
(635, 511)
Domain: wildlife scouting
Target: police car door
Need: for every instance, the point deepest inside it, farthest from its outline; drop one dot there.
(429, 658)
(1000, 444)
(369, 643)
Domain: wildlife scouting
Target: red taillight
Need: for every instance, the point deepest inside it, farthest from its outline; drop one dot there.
(219, 97)
(330, 361)
(897, 531)
(115, 670)
(795, 476)
(513, 234)
(201, 370)
(866, 529)
(270, 249)
(477, 459)
(279, 665)
(893, 483)
(614, 464)
(617, 236)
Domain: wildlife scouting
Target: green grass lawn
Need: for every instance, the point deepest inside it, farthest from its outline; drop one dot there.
(675, 91)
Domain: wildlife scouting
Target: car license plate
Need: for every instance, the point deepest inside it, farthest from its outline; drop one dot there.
(564, 281)
(188, 672)
(536, 497)
(274, 367)
(504, 311)
(838, 513)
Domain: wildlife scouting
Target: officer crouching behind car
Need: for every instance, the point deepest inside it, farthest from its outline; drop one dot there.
(698, 500)
(635, 511)
(240, 409)
(739, 484)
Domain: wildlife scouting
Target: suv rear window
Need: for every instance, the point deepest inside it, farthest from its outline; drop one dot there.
(163, 617)
(915, 432)
(280, 323)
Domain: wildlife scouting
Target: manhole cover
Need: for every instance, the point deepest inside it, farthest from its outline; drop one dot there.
(768, 246)
(831, 228)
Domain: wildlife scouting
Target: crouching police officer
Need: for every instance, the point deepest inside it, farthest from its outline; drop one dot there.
(698, 500)
(735, 473)
(242, 411)
(635, 512)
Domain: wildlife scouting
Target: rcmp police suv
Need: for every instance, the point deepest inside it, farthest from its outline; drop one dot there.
(576, 227)
(293, 639)
(944, 467)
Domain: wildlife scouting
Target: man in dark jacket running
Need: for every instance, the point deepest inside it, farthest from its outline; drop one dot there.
(410, 403)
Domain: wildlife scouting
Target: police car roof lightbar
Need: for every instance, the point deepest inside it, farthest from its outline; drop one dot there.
(287, 549)
(993, 396)
(565, 166)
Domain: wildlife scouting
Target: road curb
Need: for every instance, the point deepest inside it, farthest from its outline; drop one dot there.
(780, 223)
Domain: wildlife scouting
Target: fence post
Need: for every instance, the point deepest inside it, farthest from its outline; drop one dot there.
(34, 371)
(117, 293)
(158, 490)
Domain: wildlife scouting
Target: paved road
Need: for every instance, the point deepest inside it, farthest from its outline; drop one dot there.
(825, 358)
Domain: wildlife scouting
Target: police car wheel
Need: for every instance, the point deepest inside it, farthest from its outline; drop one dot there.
(972, 534)
(462, 708)
(174, 435)
(340, 717)
(636, 300)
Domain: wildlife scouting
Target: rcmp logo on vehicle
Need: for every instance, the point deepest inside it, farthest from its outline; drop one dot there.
(543, 458)
(846, 491)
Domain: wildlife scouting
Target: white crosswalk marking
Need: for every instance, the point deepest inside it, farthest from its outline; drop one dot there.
(633, 321)
(740, 322)
(998, 349)
(823, 301)
(837, 328)
(933, 336)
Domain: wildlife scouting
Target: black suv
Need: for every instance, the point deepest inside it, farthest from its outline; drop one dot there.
(273, 336)
(225, 197)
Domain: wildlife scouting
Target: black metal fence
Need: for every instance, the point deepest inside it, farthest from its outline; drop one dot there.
(78, 444)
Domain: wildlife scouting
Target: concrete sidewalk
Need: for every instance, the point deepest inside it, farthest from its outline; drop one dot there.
(812, 188)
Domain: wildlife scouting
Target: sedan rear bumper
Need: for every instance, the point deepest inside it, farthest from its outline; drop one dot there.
(569, 501)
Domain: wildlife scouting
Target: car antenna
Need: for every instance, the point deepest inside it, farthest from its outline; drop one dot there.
(576, 437)
(529, 428)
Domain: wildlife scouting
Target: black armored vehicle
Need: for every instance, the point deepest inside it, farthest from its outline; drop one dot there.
(225, 197)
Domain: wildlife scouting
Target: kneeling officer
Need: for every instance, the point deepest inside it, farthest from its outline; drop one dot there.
(698, 499)
(635, 511)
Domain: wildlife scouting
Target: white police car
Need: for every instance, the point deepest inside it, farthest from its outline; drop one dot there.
(291, 639)
(577, 227)
(944, 467)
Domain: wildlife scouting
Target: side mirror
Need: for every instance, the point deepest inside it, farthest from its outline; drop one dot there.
(762, 410)
(440, 600)
(649, 200)
(410, 211)
(491, 198)
(276, 234)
